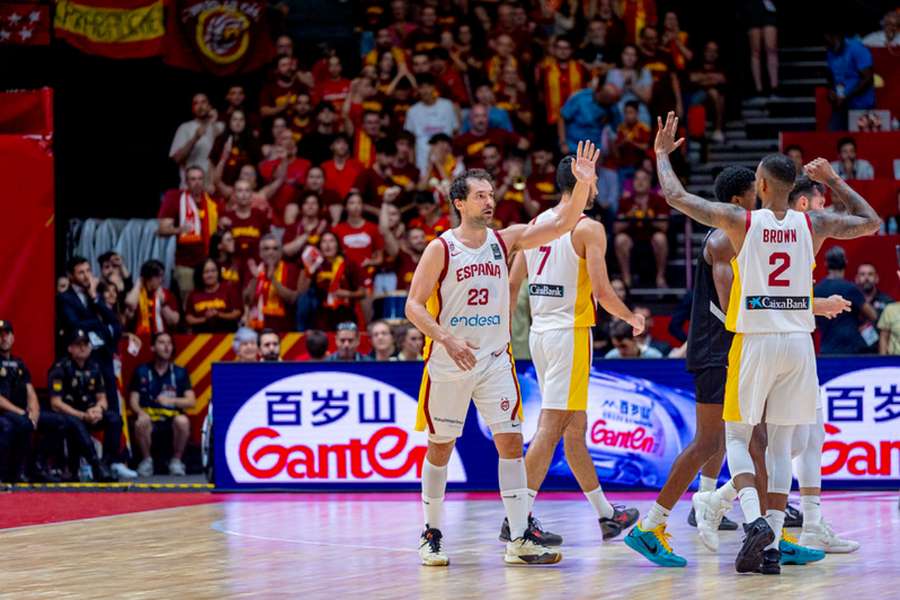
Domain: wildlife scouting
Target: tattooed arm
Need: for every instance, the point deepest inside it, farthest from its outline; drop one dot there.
(859, 220)
(728, 217)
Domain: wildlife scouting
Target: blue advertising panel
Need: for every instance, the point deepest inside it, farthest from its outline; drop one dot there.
(350, 425)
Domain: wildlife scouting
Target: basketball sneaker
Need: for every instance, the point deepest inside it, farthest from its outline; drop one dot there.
(431, 549)
(653, 544)
(709, 513)
(771, 562)
(792, 553)
(529, 550)
(822, 537)
(622, 519)
(792, 517)
(757, 535)
(546, 538)
(726, 524)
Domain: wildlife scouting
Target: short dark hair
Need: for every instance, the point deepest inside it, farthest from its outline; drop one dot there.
(565, 178)
(386, 146)
(268, 331)
(844, 141)
(804, 186)
(796, 147)
(74, 262)
(105, 257)
(157, 335)
(836, 258)
(198, 273)
(316, 344)
(438, 53)
(633, 104)
(425, 78)
(620, 330)
(152, 268)
(195, 168)
(781, 167)
(439, 137)
(733, 181)
(459, 188)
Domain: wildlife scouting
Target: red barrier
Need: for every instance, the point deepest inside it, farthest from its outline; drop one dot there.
(879, 148)
(881, 194)
(878, 251)
(887, 65)
(26, 246)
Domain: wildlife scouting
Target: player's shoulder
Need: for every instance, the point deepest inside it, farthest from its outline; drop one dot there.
(719, 246)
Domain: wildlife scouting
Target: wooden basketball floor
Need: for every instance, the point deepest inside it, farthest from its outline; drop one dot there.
(338, 546)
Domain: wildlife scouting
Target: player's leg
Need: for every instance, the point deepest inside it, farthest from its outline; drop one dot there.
(758, 446)
(817, 532)
(181, 431)
(442, 413)
(613, 520)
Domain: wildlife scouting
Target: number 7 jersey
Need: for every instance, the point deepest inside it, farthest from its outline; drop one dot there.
(773, 276)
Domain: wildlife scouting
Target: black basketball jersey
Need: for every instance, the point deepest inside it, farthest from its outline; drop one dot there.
(708, 340)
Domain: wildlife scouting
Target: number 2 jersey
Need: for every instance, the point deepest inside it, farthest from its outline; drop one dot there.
(559, 288)
(773, 276)
(471, 300)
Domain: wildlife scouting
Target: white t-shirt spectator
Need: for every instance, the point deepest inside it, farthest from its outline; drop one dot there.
(878, 39)
(424, 121)
(199, 155)
(646, 352)
(862, 169)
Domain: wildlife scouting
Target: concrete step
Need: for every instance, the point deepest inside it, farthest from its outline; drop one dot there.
(742, 156)
(802, 68)
(715, 165)
(802, 82)
(737, 145)
(799, 53)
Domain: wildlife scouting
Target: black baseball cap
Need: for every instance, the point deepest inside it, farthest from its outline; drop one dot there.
(6, 326)
(78, 335)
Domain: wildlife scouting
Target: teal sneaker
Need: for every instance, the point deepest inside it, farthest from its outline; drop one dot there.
(654, 545)
(792, 553)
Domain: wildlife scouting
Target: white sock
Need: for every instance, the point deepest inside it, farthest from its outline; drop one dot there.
(657, 516)
(707, 484)
(532, 494)
(749, 504)
(601, 505)
(434, 483)
(727, 492)
(812, 509)
(775, 518)
(514, 492)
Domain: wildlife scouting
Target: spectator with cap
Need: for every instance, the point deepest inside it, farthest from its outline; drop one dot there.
(20, 416)
(269, 345)
(155, 308)
(625, 344)
(159, 394)
(77, 394)
(848, 166)
(194, 139)
(840, 335)
(246, 345)
(429, 116)
(193, 216)
(347, 341)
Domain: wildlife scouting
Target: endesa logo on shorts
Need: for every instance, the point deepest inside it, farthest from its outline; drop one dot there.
(778, 303)
(328, 426)
(545, 289)
(475, 321)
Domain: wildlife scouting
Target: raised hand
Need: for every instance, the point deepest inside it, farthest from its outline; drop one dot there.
(584, 167)
(665, 135)
(819, 170)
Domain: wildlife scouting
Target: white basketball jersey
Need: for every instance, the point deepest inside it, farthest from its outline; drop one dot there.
(471, 300)
(773, 276)
(559, 289)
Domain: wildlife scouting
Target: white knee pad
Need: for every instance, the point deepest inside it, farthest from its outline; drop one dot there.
(737, 447)
(780, 475)
(799, 440)
(809, 463)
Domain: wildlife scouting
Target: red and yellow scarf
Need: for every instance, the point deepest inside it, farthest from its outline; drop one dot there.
(203, 219)
(150, 318)
(266, 299)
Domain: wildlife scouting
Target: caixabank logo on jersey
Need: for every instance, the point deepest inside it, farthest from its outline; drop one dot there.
(777, 302)
(862, 425)
(328, 427)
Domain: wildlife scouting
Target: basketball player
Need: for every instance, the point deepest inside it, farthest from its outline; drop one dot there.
(459, 298)
(771, 363)
(564, 278)
(707, 358)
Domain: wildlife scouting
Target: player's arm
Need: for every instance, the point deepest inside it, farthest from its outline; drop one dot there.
(424, 281)
(831, 306)
(518, 273)
(584, 167)
(728, 217)
(859, 220)
(718, 252)
(592, 236)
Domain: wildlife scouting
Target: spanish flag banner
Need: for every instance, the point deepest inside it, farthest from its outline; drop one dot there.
(112, 28)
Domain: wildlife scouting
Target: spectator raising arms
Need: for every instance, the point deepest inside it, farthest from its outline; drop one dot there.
(212, 306)
(334, 284)
(307, 230)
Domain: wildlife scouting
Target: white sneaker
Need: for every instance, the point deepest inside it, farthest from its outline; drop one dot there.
(527, 550)
(176, 468)
(431, 549)
(121, 471)
(708, 511)
(145, 468)
(822, 537)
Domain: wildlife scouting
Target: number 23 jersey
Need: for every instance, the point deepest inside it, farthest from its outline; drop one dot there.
(773, 276)
(471, 300)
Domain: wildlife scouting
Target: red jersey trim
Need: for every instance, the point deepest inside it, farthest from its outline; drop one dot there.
(809, 224)
(441, 277)
(747, 223)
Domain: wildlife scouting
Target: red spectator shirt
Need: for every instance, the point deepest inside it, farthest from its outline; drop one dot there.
(431, 231)
(341, 180)
(404, 267)
(359, 243)
(189, 254)
(450, 85)
(630, 155)
(144, 322)
(510, 208)
(423, 40)
(641, 226)
(406, 175)
(372, 186)
(469, 145)
(334, 91)
(542, 189)
(247, 231)
(294, 178)
(225, 299)
(294, 231)
(558, 82)
(275, 95)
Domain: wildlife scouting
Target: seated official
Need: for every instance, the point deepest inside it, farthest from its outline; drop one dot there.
(160, 393)
(77, 393)
(20, 416)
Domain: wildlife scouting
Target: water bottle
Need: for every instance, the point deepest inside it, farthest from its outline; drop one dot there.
(85, 473)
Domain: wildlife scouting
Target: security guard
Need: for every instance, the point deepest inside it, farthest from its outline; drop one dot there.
(77, 393)
(20, 416)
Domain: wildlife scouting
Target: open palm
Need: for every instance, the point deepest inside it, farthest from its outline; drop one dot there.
(665, 135)
(584, 167)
